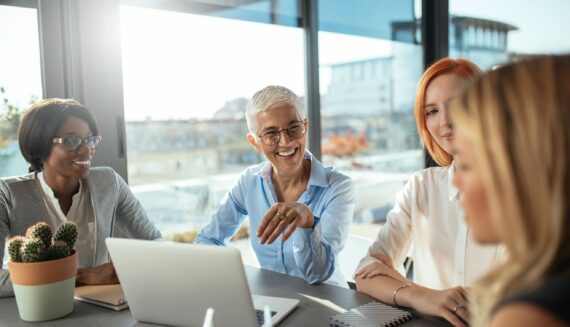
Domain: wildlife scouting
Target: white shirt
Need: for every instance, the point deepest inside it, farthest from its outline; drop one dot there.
(81, 213)
(427, 219)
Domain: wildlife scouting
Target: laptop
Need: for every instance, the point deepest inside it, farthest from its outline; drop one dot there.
(174, 284)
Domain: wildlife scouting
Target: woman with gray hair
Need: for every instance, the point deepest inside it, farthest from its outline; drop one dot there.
(299, 209)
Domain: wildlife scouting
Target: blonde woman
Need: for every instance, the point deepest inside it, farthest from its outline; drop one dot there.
(513, 141)
(427, 219)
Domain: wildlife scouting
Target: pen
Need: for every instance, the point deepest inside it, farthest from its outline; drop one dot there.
(209, 319)
(267, 316)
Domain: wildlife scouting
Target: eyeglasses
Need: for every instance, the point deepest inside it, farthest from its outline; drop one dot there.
(72, 143)
(294, 131)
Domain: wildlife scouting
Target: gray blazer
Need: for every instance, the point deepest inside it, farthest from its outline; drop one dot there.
(117, 213)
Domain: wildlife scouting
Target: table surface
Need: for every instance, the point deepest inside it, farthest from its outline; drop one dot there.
(317, 304)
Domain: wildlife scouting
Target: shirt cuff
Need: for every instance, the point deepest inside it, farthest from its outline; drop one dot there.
(306, 238)
(315, 221)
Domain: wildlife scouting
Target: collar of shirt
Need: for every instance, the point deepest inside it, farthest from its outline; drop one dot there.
(317, 178)
(49, 192)
(50, 195)
(453, 191)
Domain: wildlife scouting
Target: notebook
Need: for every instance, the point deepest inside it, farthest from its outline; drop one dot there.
(373, 314)
(175, 284)
(108, 296)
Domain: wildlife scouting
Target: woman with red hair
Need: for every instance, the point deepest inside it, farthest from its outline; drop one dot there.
(427, 220)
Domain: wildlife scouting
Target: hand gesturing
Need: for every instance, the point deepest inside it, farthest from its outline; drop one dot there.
(284, 215)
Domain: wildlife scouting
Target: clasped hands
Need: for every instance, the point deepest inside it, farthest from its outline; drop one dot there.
(101, 275)
(281, 216)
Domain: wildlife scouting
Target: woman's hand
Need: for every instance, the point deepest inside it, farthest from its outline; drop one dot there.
(382, 268)
(450, 304)
(101, 275)
(282, 215)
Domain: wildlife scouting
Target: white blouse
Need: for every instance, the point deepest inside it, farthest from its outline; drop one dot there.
(428, 221)
(81, 213)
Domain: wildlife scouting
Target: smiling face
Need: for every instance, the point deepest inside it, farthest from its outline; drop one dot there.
(286, 155)
(66, 164)
(469, 181)
(438, 94)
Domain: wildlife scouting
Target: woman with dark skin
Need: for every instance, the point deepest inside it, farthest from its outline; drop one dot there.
(58, 139)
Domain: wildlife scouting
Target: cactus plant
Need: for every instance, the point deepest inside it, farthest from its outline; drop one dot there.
(40, 230)
(66, 232)
(58, 249)
(14, 246)
(33, 250)
(34, 247)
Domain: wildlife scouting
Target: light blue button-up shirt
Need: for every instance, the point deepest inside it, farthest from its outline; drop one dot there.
(310, 253)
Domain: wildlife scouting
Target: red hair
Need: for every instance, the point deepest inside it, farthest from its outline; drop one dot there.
(461, 67)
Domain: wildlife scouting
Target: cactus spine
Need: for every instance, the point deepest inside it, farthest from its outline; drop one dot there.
(58, 249)
(66, 232)
(33, 250)
(40, 230)
(14, 248)
(39, 245)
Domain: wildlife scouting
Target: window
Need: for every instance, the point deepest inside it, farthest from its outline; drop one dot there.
(370, 63)
(513, 30)
(20, 80)
(187, 79)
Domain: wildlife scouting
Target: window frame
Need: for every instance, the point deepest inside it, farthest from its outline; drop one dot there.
(82, 70)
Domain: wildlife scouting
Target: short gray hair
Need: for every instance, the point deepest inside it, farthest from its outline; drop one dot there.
(266, 99)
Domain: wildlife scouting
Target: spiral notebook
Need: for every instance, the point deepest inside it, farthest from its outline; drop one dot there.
(108, 296)
(373, 314)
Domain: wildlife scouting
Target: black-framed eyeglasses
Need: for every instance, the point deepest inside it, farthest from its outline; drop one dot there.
(72, 142)
(295, 130)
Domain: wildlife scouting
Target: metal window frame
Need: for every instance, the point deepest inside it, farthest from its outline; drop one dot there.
(310, 19)
(84, 63)
(435, 41)
(20, 3)
(63, 65)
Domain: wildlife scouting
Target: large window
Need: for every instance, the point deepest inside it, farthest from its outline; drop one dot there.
(370, 63)
(190, 66)
(512, 30)
(185, 96)
(20, 80)
(187, 79)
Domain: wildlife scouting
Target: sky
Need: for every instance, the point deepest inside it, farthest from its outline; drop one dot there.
(20, 71)
(191, 74)
(234, 59)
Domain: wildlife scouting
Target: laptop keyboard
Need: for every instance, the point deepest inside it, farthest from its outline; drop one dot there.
(260, 318)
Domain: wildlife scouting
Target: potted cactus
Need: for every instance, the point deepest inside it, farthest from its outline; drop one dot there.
(42, 269)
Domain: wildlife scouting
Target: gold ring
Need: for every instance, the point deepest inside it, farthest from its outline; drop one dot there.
(457, 307)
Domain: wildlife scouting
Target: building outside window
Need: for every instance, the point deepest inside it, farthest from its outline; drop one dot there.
(368, 78)
(497, 32)
(185, 99)
(189, 69)
(187, 78)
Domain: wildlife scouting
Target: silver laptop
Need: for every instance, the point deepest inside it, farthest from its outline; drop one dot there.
(174, 284)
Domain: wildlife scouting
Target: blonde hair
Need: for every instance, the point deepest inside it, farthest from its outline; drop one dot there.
(460, 67)
(518, 118)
